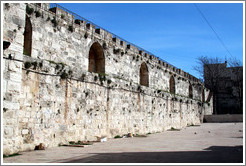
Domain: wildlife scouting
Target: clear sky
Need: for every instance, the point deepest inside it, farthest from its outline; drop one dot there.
(175, 32)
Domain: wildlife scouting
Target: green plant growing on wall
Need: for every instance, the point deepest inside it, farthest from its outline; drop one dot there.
(40, 64)
(5, 109)
(102, 76)
(37, 14)
(29, 10)
(11, 155)
(109, 81)
(62, 16)
(48, 18)
(117, 136)
(27, 65)
(64, 75)
(25, 53)
(7, 6)
(35, 64)
(70, 72)
(57, 67)
(55, 23)
(77, 21)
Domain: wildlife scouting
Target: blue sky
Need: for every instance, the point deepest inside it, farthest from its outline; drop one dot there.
(175, 32)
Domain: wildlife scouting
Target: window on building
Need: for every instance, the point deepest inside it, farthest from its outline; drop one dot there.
(96, 59)
(27, 50)
(172, 85)
(144, 75)
(190, 91)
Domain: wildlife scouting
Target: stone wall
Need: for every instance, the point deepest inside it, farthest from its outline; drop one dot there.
(50, 97)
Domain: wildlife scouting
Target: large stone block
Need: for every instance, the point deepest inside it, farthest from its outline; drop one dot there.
(11, 106)
(15, 77)
(14, 86)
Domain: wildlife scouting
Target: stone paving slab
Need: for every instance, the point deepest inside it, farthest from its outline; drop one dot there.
(208, 143)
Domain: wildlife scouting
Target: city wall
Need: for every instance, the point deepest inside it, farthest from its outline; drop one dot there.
(66, 80)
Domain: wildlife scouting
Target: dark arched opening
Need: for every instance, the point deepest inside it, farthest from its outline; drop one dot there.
(96, 59)
(190, 91)
(27, 50)
(172, 85)
(144, 75)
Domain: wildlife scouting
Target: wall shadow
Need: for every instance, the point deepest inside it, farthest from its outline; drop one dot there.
(212, 154)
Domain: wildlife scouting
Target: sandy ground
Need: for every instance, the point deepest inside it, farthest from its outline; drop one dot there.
(208, 143)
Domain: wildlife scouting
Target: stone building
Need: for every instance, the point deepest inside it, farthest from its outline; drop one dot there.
(65, 79)
(226, 83)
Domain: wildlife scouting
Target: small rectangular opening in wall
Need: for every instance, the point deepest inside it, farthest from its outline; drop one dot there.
(121, 43)
(77, 21)
(53, 9)
(167, 65)
(140, 52)
(114, 39)
(145, 55)
(97, 30)
(159, 61)
(163, 63)
(128, 46)
(88, 25)
(151, 57)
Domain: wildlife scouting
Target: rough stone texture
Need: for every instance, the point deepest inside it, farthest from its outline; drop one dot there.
(228, 94)
(51, 98)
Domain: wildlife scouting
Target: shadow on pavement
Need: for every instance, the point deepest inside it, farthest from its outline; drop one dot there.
(212, 154)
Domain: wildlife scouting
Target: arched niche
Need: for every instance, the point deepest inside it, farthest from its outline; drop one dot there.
(172, 85)
(144, 74)
(96, 59)
(190, 91)
(27, 50)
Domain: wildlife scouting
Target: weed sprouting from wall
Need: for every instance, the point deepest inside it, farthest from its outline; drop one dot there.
(54, 21)
(29, 10)
(37, 14)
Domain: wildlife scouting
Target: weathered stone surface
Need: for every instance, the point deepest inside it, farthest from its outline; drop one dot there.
(55, 99)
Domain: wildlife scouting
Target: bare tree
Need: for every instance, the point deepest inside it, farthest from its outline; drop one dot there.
(214, 71)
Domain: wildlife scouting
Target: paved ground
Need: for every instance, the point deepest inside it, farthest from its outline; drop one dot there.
(208, 143)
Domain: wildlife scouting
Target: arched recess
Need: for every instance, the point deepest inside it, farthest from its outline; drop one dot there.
(144, 74)
(172, 85)
(96, 59)
(27, 50)
(203, 95)
(190, 91)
